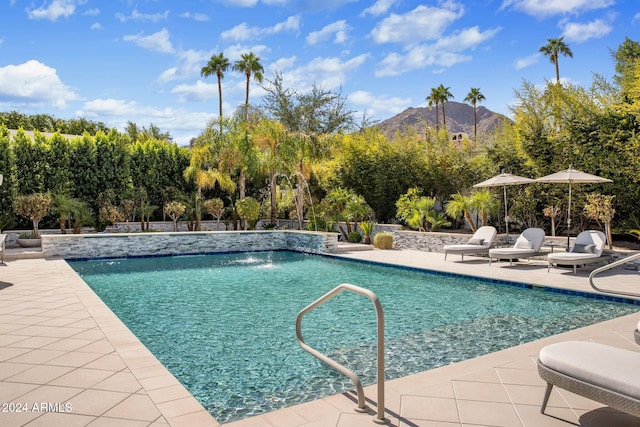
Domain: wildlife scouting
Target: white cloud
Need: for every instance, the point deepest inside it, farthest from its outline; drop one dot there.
(137, 16)
(243, 31)
(189, 63)
(96, 26)
(544, 8)
(328, 73)
(200, 17)
(92, 12)
(338, 28)
(378, 106)
(379, 7)
(200, 91)
(636, 17)
(54, 10)
(521, 63)
(422, 23)
(578, 33)
(33, 83)
(235, 51)
(445, 52)
(157, 42)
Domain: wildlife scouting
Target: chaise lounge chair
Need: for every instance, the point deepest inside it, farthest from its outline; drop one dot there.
(586, 249)
(479, 243)
(527, 245)
(599, 372)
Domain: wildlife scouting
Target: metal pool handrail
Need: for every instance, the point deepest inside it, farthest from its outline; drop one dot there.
(608, 267)
(335, 365)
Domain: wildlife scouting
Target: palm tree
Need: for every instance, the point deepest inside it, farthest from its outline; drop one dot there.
(249, 64)
(445, 95)
(553, 49)
(434, 100)
(461, 205)
(217, 65)
(484, 203)
(474, 96)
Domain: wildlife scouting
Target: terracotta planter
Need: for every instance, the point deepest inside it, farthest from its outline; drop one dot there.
(29, 243)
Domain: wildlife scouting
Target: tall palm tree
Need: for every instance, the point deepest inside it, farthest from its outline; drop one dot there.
(434, 100)
(552, 49)
(217, 65)
(445, 95)
(249, 64)
(474, 96)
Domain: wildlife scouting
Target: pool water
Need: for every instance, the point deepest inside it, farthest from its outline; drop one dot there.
(224, 325)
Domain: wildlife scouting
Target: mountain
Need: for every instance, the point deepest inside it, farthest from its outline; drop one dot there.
(459, 119)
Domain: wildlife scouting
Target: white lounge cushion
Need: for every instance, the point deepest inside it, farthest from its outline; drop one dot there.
(465, 247)
(475, 241)
(559, 257)
(515, 252)
(523, 243)
(612, 368)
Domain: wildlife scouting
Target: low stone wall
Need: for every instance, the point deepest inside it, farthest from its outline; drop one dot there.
(434, 241)
(112, 245)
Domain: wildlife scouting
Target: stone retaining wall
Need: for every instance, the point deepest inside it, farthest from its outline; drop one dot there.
(110, 245)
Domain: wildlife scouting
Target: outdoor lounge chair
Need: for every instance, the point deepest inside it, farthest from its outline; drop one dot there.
(527, 245)
(479, 243)
(586, 249)
(599, 372)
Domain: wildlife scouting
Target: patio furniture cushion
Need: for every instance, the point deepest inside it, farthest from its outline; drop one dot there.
(611, 368)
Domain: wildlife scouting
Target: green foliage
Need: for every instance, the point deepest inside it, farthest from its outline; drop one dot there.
(383, 240)
(414, 209)
(33, 207)
(249, 210)
(175, 210)
(354, 237)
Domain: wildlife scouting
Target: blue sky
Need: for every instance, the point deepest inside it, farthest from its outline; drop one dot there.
(120, 60)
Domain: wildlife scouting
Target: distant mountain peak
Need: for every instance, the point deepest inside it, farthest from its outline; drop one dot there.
(459, 118)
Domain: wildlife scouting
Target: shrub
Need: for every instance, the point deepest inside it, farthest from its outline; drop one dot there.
(354, 237)
(383, 241)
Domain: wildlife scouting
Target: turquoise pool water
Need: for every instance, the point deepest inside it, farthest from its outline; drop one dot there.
(224, 325)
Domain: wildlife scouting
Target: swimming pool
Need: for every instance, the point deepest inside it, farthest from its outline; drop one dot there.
(224, 325)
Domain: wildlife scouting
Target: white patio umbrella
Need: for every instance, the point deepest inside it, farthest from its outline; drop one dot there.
(503, 180)
(571, 176)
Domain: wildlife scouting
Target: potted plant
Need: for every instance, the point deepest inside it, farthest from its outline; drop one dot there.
(34, 207)
(367, 229)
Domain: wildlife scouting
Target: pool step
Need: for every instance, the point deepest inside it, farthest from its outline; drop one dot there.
(350, 247)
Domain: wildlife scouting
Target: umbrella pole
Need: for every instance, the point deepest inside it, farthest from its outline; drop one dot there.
(569, 218)
(506, 215)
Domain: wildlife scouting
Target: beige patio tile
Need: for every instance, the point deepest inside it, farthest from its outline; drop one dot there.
(89, 334)
(18, 418)
(102, 346)
(121, 422)
(558, 417)
(200, 419)
(166, 394)
(36, 356)
(9, 369)
(34, 342)
(135, 407)
(68, 344)
(50, 394)
(429, 409)
(109, 362)
(52, 419)
(123, 381)
(284, 418)
(488, 414)
(11, 391)
(96, 402)
(467, 390)
(519, 376)
(82, 377)
(7, 353)
(161, 381)
(74, 358)
(177, 407)
(40, 374)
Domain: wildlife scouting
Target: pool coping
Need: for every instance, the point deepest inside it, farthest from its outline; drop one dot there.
(336, 410)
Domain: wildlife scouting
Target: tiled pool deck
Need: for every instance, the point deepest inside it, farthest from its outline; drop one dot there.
(59, 344)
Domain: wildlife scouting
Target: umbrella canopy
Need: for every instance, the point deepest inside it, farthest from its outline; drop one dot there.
(571, 176)
(503, 180)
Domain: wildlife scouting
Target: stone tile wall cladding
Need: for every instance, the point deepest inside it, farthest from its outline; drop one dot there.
(112, 245)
